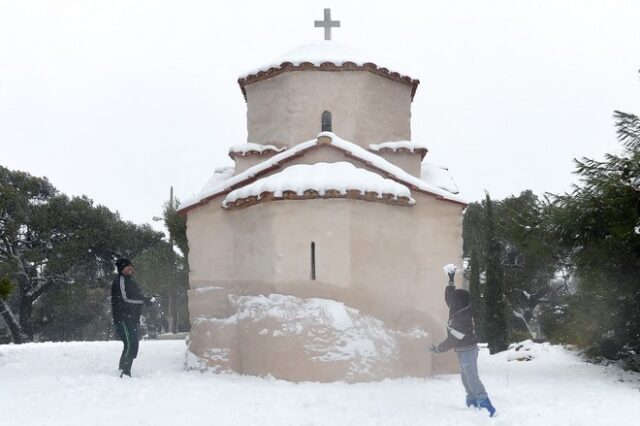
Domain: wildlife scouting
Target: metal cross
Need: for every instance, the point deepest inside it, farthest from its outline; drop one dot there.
(327, 24)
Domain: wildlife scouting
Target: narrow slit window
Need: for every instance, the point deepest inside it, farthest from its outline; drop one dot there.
(326, 122)
(313, 260)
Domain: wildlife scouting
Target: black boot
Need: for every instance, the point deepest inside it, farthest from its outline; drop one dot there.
(127, 362)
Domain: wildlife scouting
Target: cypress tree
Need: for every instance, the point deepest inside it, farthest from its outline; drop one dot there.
(476, 294)
(495, 321)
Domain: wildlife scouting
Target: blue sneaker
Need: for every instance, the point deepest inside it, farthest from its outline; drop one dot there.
(471, 402)
(486, 403)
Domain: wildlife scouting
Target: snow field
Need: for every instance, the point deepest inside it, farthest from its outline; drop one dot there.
(77, 384)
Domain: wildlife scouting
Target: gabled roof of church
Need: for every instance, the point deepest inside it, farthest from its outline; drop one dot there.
(320, 180)
(323, 56)
(325, 139)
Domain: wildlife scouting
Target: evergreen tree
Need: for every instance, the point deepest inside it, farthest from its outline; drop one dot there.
(495, 325)
(477, 303)
(599, 226)
(176, 265)
(161, 271)
(177, 226)
(49, 245)
(6, 288)
(528, 257)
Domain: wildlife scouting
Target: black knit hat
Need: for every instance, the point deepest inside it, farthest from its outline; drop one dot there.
(122, 263)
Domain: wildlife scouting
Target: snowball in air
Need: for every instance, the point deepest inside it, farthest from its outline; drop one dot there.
(449, 268)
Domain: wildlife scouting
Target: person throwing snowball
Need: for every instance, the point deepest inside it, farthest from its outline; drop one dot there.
(461, 337)
(126, 304)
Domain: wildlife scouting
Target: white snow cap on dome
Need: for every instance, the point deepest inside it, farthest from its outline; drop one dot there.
(323, 51)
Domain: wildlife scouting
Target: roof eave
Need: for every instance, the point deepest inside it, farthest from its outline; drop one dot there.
(327, 66)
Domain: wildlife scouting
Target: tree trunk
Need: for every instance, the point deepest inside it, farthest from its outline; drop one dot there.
(173, 313)
(26, 320)
(519, 313)
(12, 323)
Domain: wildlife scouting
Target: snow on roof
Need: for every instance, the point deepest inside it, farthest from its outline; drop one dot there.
(393, 170)
(219, 187)
(246, 148)
(321, 178)
(220, 174)
(321, 55)
(399, 146)
(318, 53)
(439, 177)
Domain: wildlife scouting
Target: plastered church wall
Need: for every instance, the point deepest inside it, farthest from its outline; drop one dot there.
(408, 161)
(383, 260)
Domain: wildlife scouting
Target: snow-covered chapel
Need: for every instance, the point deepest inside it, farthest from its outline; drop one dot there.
(319, 255)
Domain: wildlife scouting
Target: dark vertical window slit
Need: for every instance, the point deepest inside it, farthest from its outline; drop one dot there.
(313, 260)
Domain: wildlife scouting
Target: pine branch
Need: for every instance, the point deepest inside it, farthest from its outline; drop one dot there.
(628, 129)
(43, 286)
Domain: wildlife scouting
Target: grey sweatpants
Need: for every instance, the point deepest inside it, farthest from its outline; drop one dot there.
(468, 360)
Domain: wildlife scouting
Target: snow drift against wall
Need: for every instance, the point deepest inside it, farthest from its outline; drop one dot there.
(314, 334)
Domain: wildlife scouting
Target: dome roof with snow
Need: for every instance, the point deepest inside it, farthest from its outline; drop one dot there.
(324, 56)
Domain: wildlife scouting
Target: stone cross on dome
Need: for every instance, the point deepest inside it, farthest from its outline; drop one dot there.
(327, 24)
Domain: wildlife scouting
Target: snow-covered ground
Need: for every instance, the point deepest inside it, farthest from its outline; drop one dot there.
(76, 384)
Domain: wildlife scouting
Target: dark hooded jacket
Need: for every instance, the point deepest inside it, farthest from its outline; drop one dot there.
(126, 299)
(461, 327)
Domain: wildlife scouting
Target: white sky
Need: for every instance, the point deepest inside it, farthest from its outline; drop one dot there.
(119, 100)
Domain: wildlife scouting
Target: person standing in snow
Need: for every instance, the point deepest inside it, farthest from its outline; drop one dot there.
(126, 304)
(461, 337)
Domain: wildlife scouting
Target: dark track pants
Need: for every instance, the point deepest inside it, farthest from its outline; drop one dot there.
(128, 333)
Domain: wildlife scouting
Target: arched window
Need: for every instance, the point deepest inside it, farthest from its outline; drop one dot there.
(326, 121)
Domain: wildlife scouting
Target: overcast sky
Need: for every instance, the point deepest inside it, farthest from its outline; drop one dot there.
(119, 100)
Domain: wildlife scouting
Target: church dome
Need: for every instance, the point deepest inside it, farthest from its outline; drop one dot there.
(324, 56)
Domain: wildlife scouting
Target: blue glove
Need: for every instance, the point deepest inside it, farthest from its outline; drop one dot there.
(434, 349)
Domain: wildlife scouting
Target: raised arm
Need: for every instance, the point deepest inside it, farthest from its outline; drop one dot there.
(450, 270)
(448, 293)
